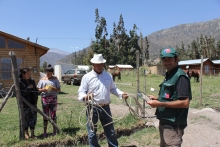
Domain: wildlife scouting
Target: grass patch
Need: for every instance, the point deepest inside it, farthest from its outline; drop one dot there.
(200, 118)
(69, 110)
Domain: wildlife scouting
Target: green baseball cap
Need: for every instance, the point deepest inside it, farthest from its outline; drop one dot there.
(168, 52)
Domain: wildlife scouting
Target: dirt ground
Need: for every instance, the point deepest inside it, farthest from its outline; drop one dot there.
(203, 128)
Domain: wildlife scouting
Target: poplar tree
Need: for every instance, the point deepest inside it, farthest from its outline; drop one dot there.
(218, 49)
(202, 46)
(146, 46)
(100, 45)
(195, 50)
(142, 49)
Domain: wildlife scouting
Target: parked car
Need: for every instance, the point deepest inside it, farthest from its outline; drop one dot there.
(73, 76)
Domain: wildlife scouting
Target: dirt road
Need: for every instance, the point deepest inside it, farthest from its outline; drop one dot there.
(203, 128)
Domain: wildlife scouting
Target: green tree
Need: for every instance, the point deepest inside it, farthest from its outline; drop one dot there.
(146, 46)
(44, 66)
(202, 46)
(142, 49)
(134, 46)
(218, 49)
(195, 50)
(100, 46)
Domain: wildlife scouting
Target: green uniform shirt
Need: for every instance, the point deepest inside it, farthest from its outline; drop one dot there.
(168, 92)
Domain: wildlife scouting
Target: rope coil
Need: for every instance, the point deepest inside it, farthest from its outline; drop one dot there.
(89, 110)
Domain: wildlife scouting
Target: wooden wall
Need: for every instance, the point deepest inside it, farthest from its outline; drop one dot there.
(30, 56)
(198, 66)
(157, 69)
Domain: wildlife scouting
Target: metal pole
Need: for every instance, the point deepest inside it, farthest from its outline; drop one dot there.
(137, 75)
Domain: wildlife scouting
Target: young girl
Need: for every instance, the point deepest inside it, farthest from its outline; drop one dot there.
(29, 92)
(49, 87)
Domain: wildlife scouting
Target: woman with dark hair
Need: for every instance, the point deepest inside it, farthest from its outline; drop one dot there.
(30, 93)
(49, 86)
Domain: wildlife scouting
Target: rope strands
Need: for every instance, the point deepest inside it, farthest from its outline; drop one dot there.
(89, 108)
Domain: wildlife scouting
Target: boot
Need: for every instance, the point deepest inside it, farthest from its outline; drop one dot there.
(26, 134)
(32, 134)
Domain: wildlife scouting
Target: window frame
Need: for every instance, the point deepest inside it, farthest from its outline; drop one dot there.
(9, 68)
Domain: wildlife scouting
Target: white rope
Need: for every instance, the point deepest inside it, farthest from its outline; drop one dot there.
(89, 110)
(90, 107)
(140, 108)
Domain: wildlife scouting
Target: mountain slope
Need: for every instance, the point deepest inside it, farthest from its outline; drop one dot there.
(186, 32)
(172, 36)
(52, 56)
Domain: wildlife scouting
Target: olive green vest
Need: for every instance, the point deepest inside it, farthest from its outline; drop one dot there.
(175, 116)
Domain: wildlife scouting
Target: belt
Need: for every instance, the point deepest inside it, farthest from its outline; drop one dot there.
(102, 105)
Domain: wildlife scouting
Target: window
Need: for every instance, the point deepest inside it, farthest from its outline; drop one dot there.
(207, 69)
(81, 71)
(6, 67)
(69, 72)
(15, 44)
(2, 42)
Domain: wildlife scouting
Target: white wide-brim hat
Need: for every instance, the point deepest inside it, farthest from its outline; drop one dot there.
(97, 58)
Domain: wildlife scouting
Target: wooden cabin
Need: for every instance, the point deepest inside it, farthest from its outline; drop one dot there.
(110, 68)
(120, 67)
(208, 66)
(157, 70)
(27, 53)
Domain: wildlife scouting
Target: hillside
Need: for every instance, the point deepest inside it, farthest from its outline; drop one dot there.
(68, 59)
(168, 37)
(186, 32)
(52, 56)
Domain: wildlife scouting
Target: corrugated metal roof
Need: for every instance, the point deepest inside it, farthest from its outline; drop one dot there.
(124, 66)
(111, 66)
(192, 62)
(216, 61)
(86, 67)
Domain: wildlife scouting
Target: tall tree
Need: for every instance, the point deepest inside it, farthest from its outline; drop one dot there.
(142, 49)
(218, 49)
(100, 45)
(134, 46)
(202, 46)
(44, 66)
(195, 50)
(146, 46)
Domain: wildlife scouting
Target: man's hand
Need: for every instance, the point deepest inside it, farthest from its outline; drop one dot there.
(154, 103)
(152, 97)
(89, 96)
(124, 95)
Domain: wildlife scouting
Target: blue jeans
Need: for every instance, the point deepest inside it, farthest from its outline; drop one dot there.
(108, 129)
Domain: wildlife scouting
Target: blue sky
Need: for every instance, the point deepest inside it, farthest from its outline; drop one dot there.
(69, 25)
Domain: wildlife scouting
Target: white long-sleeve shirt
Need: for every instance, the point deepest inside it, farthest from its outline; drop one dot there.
(101, 85)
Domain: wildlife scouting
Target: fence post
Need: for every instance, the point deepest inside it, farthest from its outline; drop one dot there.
(200, 79)
(137, 75)
(145, 92)
(18, 95)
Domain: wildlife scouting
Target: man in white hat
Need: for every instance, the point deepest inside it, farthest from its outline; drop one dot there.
(95, 90)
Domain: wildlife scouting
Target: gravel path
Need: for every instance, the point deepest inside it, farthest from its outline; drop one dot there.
(203, 128)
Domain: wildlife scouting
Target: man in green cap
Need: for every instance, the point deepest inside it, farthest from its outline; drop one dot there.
(173, 101)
